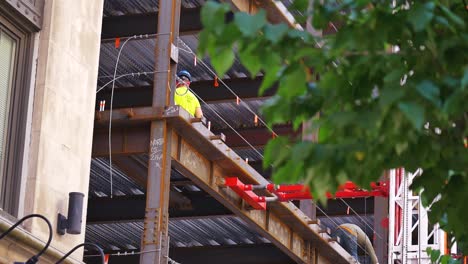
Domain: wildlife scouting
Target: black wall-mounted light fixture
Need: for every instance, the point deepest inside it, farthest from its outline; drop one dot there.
(72, 224)
(34, 259)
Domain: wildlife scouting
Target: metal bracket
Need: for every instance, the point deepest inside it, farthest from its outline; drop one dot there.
(151, 226)
(221, 137)
(174, 53)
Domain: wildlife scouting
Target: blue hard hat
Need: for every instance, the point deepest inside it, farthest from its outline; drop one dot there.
(186, 74)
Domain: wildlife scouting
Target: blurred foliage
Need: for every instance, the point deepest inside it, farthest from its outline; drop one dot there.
(389, 80)
(437, 258)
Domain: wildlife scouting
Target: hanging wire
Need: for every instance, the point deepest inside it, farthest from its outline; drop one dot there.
(145, 36)
(133, 74)
(333, 221)
(112, 99)
(125, 253)
(365, 229)
(222, 119)
(362, 219)
(110, 113)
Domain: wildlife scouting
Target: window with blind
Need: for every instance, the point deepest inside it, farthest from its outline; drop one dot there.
(15, 67)
(7, 65)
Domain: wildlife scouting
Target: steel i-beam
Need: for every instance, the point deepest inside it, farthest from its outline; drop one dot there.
(155, 243)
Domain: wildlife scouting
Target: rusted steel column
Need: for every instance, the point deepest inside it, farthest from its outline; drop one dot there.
(155, 230)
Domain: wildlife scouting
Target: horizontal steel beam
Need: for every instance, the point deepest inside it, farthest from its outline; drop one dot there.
(134, 139)
(245, 254)
(142, 24)
(125, 141)
(245, 88)
(282, 223)
(206, 162)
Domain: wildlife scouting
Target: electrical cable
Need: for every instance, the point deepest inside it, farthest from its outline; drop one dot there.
(333, 221)
(145, 36)
(34, 258)
(110, 113)
(101, 253)
(125, 75)
(119, 254)
(222, 119)
(362, 219)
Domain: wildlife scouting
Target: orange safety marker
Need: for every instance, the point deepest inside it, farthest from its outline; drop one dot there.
(106, 258)
(216, 84)
(256, 120)
(274, 135)
(237, 100)
(117, 43)
(195, 60)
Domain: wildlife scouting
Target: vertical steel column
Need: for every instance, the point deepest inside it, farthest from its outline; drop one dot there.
(155, 231)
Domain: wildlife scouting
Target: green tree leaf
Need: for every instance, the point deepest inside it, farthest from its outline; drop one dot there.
(275, 33)
(249, 25)
(453, 17)
(223, 60)
(420, 15)
(430, 91)
(389, 95)
(372, 102)
(414, 113)
(464, 81)
(250, 58)
(212, 15)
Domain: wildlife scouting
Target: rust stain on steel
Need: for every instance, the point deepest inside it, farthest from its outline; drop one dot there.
(125, 141)
(279, 230)
(175, 144)
(298, 244)
(259, 217)
(151, 226)
(127, 115)
(286, 218)
(195, 162)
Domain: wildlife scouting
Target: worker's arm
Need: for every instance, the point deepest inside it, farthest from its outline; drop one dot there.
(198, 112)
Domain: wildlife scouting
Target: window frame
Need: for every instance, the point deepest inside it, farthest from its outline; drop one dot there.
(17, 110)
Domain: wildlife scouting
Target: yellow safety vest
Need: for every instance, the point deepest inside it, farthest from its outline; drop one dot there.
(186, 99)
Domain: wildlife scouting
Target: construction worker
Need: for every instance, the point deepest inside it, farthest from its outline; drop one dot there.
(350, 237)
(184, 97)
